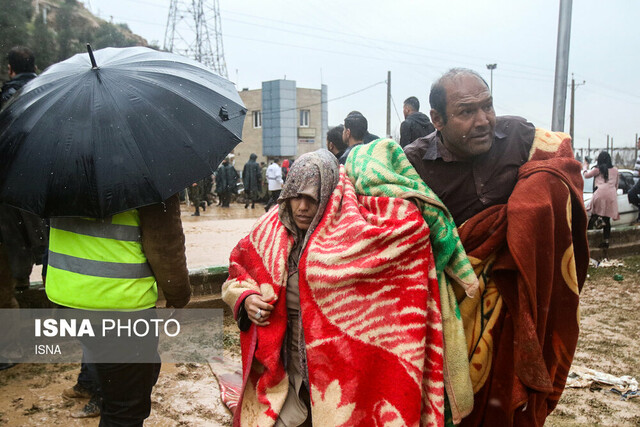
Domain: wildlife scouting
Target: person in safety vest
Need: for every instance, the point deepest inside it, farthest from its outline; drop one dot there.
(118, 263)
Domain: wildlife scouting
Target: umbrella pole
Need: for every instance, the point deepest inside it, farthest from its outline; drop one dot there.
(93, 59)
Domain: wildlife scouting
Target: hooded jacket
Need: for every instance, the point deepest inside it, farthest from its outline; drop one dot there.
(415, 126)
(251, 175)
(12, 86)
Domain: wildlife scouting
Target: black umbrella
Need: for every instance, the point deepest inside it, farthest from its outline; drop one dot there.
(94, 140)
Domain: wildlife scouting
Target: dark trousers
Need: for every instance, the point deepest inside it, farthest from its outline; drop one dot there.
(126, 392)
(606, 230)
(125, 388)
(225, 198)
(634, 196)
(7, 282)
(273, 199)
(252, 197)
(88, 376)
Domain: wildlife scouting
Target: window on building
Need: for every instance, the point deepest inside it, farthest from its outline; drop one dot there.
(257, 119)
(304, 118)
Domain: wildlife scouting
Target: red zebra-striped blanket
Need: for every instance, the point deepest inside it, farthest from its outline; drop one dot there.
(370, 313)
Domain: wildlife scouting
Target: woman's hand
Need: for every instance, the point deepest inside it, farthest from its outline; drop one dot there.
(258, 309)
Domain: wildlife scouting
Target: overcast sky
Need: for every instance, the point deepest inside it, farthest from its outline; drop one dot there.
(350, 46)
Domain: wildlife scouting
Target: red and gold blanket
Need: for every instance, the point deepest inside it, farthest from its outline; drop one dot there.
(531, 257)
(370, 312)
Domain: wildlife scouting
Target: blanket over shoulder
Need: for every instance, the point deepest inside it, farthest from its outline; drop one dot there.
(370, 311)
(531, 256)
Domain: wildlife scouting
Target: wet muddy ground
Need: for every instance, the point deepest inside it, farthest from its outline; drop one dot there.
(187, 394)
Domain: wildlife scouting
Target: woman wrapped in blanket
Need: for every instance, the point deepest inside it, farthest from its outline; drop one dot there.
(301, 205)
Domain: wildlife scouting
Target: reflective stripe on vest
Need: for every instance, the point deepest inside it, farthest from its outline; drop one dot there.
(99, 264)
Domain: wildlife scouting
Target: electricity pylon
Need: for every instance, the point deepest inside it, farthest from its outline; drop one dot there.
(191, 26)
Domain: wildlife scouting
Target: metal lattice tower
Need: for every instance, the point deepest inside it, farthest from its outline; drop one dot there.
(191, 25)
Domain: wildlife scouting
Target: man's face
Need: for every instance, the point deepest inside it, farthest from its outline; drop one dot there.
(406, 110)
(471, 120)
(346, 134)
(332, 147)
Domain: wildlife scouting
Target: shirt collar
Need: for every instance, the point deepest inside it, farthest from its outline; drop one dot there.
(437, 150)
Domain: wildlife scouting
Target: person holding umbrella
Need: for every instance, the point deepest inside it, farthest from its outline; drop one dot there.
(129, 134)
(135, 252)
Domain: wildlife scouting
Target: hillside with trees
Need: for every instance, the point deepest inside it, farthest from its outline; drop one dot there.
(56, 30)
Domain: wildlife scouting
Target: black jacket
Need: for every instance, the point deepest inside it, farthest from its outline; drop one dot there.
(251, 176)
(12, 86)
(415, 126)
(226, 179)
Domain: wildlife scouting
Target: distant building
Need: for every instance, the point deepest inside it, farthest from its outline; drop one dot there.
(282, 121)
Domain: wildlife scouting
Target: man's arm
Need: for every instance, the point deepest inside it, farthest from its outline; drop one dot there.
(278, 175)
(163, 245)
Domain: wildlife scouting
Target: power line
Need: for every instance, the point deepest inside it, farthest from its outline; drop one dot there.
(321, 102)
(393, 102)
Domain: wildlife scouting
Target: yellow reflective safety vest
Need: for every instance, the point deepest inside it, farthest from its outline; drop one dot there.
(99, 264)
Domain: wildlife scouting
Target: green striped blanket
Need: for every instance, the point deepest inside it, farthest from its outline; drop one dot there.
(381, 168)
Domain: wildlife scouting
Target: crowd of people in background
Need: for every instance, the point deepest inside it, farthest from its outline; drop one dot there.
(476, 163)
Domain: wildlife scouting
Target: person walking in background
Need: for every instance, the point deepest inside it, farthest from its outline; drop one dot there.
(228, 180)
(275, 181)
(207, 196)
(22, 69)
(285, 169)
(252, 181)
(604, 203)
(355, 130)
(264, 188)
(335, 143)
(196, 196)
(416, 124)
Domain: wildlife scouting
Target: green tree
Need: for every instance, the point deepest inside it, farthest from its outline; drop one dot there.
(68, 26)
(14, 18)
(44, 43)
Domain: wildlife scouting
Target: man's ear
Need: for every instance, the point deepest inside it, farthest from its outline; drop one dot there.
(436, 119)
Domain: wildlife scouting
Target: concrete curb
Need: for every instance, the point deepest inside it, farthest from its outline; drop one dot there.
(207, 282)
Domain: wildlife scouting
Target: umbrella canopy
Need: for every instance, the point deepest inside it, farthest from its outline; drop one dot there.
(83, 140)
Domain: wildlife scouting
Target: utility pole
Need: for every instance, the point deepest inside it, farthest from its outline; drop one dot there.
(388, 104)
(491, 67)
(562, 66)
(636, 142)
(573, 104)
(607, 142)
(611, 148)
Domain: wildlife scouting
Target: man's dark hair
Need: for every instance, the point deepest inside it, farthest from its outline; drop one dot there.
(21, 60)
(438, 94)
(412, 102)
(357, 124)
(335, 136)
